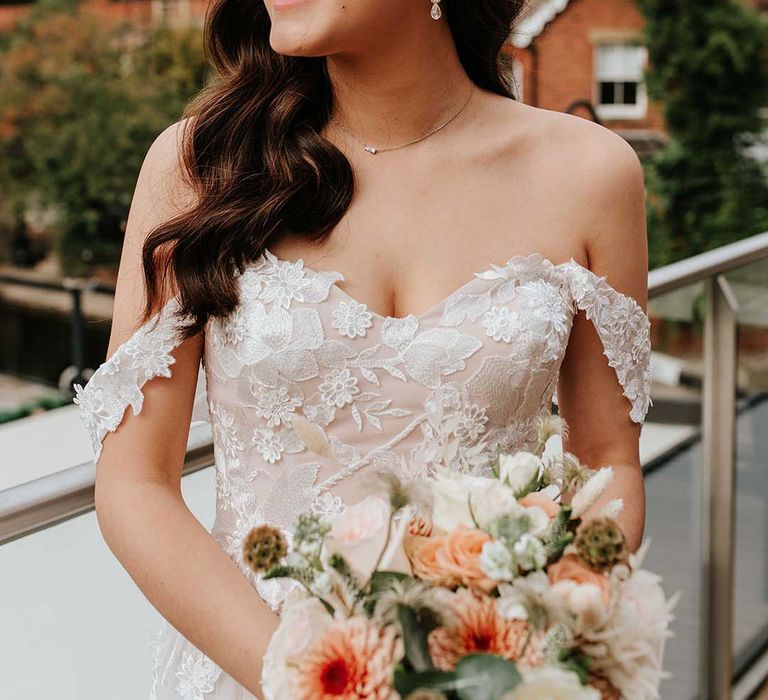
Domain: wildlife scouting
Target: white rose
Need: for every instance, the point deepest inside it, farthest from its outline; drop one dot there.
(301, 623)
(492, 500)
(359, 533)
(518, 470)
(451, 492)
(551, 683)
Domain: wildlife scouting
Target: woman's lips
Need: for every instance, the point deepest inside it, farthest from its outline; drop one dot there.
(285, 4)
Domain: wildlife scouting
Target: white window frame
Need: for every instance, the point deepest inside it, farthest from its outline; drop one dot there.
(639, 109)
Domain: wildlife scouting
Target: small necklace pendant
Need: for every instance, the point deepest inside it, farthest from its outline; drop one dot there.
(371, 149)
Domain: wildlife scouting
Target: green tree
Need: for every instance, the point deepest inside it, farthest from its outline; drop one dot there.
(80, 103)
(708, 65)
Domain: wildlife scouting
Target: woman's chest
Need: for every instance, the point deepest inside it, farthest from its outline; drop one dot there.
(465, 374)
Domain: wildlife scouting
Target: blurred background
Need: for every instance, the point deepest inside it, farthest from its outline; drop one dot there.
(85, 87)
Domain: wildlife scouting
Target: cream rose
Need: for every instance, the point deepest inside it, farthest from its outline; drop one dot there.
(451, 492)
(301, 623)
(551, 683)
(359, 533)
(492, 500)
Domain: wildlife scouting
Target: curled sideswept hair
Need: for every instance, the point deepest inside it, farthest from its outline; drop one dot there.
(252, 153)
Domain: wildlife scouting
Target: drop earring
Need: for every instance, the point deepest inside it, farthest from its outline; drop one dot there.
(435, 13)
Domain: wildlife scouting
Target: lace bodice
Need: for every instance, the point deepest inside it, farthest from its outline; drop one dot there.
(451, 386)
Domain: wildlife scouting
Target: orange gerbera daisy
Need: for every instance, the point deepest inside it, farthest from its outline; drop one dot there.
(476, 627)
(354, 660)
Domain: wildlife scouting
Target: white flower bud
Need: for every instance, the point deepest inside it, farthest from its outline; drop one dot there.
(496, 561)
(323, 584)
(529, 553)
(519, 470)
(539, 520)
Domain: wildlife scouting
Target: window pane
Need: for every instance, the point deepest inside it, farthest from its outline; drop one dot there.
(607, 93)
(630, 94)
(619, 62)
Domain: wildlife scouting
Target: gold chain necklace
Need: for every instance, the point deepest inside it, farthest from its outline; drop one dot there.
(373, 150)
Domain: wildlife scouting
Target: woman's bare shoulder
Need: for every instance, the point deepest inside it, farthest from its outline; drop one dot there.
(573, 134)
(162, 179)
(593, 172)
(161, 193)
(162, 188)
(582, 154)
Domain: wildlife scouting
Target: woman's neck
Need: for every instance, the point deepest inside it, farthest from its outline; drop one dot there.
(398, 89)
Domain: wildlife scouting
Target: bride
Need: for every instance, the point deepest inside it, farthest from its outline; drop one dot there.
(355, 223)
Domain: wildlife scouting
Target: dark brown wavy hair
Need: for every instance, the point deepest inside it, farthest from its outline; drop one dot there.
(253, 154)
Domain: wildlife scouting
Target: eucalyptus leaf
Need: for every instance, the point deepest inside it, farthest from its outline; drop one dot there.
(485, 677)
(407, 682)
(416, 626)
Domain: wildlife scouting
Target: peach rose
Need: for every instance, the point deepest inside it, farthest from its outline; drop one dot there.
(460, 556)
(422, 551)
(536, 499)
(574, 569)
(453, 558)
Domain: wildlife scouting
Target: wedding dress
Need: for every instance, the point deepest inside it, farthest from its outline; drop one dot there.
(449, 386)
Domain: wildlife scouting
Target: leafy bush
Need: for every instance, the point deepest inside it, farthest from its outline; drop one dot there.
(709, 65)
(80, 103)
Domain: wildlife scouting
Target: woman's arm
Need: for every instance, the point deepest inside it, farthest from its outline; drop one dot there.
(589, 395)
(171, 557)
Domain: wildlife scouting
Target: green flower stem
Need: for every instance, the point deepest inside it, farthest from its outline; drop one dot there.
(383, 549)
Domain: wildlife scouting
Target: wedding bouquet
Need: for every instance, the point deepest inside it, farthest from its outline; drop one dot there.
(467, 587)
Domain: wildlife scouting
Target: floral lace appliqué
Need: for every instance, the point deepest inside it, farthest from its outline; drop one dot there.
(118, 381)
(624, 330)
(196, 677)
(352, 319)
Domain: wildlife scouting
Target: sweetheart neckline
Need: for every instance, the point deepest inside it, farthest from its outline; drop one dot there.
(493, 267)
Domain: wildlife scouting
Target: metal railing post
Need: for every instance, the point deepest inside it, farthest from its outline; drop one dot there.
(719, 447)
(75, 287)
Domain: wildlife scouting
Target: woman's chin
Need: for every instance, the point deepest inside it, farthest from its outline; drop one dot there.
(297, 38)
(300, 27)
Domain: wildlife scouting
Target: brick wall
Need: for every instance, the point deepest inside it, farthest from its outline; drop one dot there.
(558, 67)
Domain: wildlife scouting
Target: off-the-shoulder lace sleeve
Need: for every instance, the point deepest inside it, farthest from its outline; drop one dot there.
(624, 330)
(118, 382)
